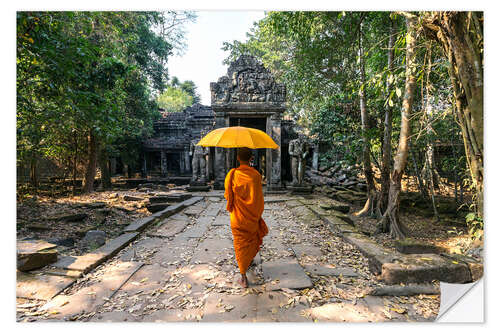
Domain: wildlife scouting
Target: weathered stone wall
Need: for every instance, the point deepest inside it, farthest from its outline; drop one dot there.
(247, 81)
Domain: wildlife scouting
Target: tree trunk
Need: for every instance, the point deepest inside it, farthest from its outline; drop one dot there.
(461, 35)
(34, 173)
(75, 159)
(387, 144)
(367, 167)
(90, 172)
(391, 219)
(105, 170)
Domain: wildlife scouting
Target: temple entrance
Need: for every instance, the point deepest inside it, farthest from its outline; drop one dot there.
(259, 158)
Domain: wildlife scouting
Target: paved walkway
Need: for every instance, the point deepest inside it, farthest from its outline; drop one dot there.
(183, 269)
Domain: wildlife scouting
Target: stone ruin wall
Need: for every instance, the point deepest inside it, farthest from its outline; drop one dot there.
(247, 81)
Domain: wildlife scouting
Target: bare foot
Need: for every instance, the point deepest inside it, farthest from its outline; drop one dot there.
(243, 281)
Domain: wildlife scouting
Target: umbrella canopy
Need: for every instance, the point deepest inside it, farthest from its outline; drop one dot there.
(237, 136)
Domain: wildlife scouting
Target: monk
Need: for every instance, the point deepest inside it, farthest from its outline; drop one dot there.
(245, 203)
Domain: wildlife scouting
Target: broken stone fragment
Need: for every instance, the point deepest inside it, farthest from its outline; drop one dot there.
(68, 217)
(131, 198)
(38, 227)
(94, 239)
(153, 208)
(34, 254)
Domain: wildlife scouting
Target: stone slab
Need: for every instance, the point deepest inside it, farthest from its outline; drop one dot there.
(140, 224)
(301, 250)
(329, 270)
(212, 209)
(176, 252)
(178, 197)
(89, 298)
(289, 273)
(169, 211)
(114, 245)
(114, 317)
(58, 272)
(79, 263)
(174, 315)
(406, 290)
(269, 200)
(221, 220)
(210, 250)
(170, 227)
(43, 287)
(89, 261)
(147, 278)
(193, 210)
(293, 203)
(342, 312)
(198, 229)
(230, 308)
(272, 306)
(30, 246)
(137, 250)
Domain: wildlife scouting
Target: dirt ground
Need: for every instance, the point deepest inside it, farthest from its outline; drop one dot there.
(106, 211)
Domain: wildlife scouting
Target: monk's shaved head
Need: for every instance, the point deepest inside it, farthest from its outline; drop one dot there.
(244, 154)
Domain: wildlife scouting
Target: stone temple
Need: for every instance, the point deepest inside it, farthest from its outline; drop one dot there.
(247, 96)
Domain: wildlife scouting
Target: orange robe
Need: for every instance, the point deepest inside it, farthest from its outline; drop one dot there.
(245, 202)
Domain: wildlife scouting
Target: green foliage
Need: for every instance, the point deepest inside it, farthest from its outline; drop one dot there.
(475, 225)
(88, 72)
(174, 99)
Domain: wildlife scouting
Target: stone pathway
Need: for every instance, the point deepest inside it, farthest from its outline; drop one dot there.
(182, 268)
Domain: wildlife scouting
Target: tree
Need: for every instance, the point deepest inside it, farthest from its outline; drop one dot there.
(74, 70)
(190, 88)
(174, 99)
(391, 220)
(461, 37)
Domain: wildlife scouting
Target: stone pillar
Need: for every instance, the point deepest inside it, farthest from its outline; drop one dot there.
(187, 161)
(181, 163)
(315, 157)
(163, 163)
(220, 157)
(112, 166)
(144, 168)
(273, 156)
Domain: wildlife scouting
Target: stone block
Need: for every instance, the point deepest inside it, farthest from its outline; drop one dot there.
(131, 198)
(416, 268)
(35, 254)
(157, 207)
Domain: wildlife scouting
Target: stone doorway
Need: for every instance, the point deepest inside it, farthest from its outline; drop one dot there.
(259, 154)
(249, 96)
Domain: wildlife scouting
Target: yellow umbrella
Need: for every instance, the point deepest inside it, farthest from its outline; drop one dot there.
(237, 136)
